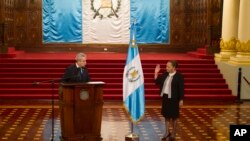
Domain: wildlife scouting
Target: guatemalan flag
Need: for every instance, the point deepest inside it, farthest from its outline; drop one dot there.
(133, 80)
(104, 21)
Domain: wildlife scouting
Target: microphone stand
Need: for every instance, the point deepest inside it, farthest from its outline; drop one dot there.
(52, 98)
(52, 112)
(52, 103)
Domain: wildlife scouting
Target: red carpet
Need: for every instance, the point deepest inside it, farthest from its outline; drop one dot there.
(202, 77)
(201, 53)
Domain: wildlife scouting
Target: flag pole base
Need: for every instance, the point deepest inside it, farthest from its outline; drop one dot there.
(132, 137)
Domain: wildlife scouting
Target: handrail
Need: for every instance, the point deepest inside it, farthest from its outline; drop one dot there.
(246, 80)
(238, 100)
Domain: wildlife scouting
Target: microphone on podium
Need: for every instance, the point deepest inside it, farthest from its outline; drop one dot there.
(35, 83)
(78, 76)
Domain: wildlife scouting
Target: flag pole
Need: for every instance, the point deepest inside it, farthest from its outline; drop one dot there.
(132, 136)
(136, 75)
(132, 128)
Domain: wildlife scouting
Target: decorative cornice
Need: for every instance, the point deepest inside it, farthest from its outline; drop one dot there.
(228, 45)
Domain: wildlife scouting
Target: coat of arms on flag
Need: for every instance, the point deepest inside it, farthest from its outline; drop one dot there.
(105, 8)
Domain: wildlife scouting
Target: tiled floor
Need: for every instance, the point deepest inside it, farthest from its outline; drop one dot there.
(198, 122)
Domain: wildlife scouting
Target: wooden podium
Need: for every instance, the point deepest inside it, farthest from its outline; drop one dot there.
(81, 111)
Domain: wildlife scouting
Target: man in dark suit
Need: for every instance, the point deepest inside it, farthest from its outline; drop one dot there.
(171, 85)
(77, 72)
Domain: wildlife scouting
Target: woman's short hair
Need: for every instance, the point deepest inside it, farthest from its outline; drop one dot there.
(174, 63)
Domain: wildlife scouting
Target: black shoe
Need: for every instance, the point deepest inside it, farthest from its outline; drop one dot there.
(166, 137)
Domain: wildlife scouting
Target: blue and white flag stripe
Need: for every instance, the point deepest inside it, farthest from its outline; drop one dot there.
(72, 21)
(135, 104)
(133, 85)
(62, 21)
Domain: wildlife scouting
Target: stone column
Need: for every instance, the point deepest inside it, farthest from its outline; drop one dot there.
(243, 42)
(229, 30)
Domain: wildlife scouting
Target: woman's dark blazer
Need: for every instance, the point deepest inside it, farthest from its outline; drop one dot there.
(177, 85)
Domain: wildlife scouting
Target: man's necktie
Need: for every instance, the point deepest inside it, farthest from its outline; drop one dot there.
(81, 72)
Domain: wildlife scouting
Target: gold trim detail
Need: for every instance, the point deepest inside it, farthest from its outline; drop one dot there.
(228, 45)
(243, 54)
(243, 46)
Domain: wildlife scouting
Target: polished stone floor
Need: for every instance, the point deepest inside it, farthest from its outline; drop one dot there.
(199, 121)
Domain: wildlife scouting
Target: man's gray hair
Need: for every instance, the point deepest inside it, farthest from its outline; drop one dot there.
(80, 55)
